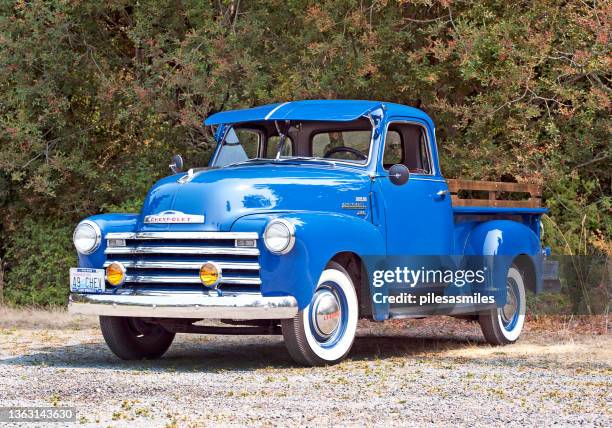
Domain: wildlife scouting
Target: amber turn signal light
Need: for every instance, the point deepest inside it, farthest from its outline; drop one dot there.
(115, 274)
(210, 274)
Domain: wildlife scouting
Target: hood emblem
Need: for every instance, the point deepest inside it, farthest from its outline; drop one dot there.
(187, 177)
(174, 217)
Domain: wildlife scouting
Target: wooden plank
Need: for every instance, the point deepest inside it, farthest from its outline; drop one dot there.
(457, 185)
(493, 190)
(529, 203)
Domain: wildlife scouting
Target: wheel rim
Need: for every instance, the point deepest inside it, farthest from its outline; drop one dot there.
(509, 313)
(328, 315)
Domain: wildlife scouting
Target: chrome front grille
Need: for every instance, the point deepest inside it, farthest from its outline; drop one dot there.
(173, 259)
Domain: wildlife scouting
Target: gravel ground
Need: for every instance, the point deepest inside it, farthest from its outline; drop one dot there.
(416, 373)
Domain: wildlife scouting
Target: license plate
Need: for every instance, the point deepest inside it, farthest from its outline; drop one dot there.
(84, 280)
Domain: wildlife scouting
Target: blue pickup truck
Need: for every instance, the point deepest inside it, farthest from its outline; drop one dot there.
(275, 235)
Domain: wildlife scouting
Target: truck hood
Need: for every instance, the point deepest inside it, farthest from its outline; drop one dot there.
(224, 195)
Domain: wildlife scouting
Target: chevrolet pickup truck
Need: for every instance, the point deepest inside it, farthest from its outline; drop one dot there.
(274, 235)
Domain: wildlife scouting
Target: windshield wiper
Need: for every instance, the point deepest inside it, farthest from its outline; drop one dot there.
(283, 160)
(256, 160)
(308, 159)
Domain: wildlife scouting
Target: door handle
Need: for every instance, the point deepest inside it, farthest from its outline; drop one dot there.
(442, 193)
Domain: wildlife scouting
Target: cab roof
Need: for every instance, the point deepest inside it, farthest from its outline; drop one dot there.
(320, 110)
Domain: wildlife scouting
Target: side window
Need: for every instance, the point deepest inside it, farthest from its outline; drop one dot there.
(407, 144)
(424, 152)
(272, 147)
(394, 152)
(250, 141)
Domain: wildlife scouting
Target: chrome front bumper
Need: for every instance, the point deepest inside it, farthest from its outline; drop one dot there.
(165, 304)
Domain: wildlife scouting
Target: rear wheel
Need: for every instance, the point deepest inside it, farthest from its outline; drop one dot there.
(135, 339)
(502, 326)
(324, 331)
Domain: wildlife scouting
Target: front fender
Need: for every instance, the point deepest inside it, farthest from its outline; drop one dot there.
(108, 223)
(319, 236)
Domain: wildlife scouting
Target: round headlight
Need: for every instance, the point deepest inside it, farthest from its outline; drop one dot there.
(87, 237)
(279, 236)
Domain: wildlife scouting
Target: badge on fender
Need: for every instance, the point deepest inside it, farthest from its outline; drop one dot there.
(174, 217)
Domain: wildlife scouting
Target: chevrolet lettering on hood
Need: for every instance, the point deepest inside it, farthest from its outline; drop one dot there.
(174, 217)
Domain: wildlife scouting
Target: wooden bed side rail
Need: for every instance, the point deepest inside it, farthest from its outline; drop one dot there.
(494, 188)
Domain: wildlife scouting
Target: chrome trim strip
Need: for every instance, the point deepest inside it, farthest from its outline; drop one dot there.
(183, 265)
(182, 235)
(184, 305)
(143, 249)
(174, 279)
(427, 179)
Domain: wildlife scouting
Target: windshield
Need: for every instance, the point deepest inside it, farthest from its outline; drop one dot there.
(347, 142)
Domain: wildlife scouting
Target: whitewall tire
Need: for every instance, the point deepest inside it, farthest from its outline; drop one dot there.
(324, 331)
(501, 326)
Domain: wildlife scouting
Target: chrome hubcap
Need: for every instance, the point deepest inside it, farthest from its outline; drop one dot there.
(511, 305)
(326, 312)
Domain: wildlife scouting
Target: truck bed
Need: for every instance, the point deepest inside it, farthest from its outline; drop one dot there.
(488, 197)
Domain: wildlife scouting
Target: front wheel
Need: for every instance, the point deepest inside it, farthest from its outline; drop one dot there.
(502, 326)
(323, 332)
(135, 339)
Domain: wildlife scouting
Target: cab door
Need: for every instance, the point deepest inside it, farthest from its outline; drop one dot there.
(418, 214)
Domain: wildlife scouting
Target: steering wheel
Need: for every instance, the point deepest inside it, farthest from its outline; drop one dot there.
(419, 171)
(350, 150)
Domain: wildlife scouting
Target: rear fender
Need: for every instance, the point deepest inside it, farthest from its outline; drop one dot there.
(505, 240)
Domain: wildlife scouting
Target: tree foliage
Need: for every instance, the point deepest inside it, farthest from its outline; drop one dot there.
(96, 96)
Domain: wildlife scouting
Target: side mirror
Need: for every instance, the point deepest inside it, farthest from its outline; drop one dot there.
(399, 174)
(177, 164)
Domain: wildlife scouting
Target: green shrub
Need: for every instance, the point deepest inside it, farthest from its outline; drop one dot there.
(95, 97)
(37, 258)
